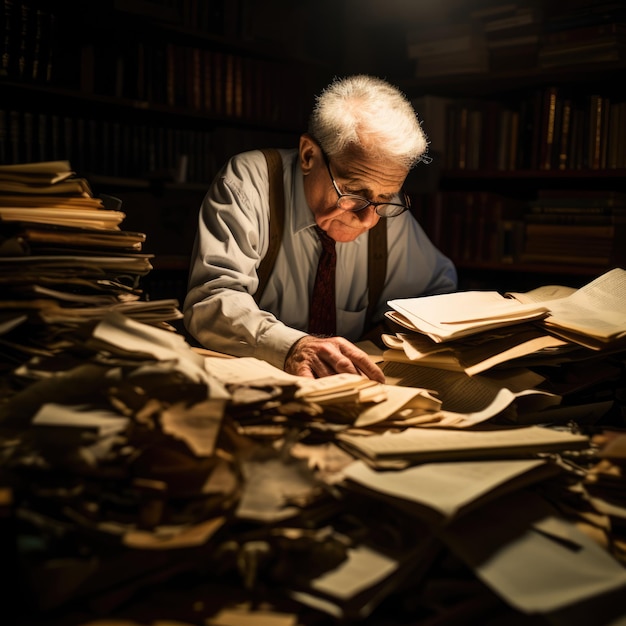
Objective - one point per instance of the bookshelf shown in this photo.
(147, 99)
(528, 113)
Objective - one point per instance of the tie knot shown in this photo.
(327, 242)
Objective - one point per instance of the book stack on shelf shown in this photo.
(585, 228)
(592, 33)
(512, 34)
(500, 37)
(448, 49)
(575, 227)
(65, 261)
(28, 49)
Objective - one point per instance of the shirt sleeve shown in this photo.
(232, 238)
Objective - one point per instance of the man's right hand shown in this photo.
(315, 357)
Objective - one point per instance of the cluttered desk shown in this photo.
(147, 482)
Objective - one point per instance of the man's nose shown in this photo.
(368, 216)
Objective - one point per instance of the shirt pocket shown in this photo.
(350, 323)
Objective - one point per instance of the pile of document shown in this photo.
(64, 260)
(147, 481)
(592, 316)
(574, 339)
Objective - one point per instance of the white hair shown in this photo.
(369, 113)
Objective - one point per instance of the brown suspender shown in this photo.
(377, 243)
(277, 218)
(376, 268)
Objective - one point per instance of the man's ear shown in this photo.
(308, 150)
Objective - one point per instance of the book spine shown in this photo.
(417, 49)
(614, 138)
(170, 75)
(595, 131)
(564, 139)
(552, 231)
(583, 33)
(4, 139)
(550, 108)
(25, 41)
(567, 259)
(462, 137)
(7, 43)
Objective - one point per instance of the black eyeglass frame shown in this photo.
(367, 203)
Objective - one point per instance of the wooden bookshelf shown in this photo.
(148, 98)
(551, 120)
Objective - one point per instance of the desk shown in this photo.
(118, 518)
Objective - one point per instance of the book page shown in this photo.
(118, 330)
(39, 167)
(457, 391)
(536, 561)
(397, 399)
(444, 487)
(363, 568)
(101, 421)
(541, 294)
(434, 444)
(474, 354)
(597, 309)
(461, 307)
(446, 316)
(247, 370)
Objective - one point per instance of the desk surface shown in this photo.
(92, 512)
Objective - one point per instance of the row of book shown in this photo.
(219, 17)
(107, 147)
(28, 48)
(30, 29)
(551, 129)
(205, 79)
(560, 227)
(208, 81)
(149, 151)
(509, 36)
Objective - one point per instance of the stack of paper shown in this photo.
(477, 353)
(242, 469)
(64, 260)
(454, 315)
(346, 398)
(483, 335)
(592, 316)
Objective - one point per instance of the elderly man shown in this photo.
(340, 186)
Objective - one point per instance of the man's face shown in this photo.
(354, 173)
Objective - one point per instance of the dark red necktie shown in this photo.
(322, 319)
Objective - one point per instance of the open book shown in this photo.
(594, 315)
(439, 492)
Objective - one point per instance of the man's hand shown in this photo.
(315, 357)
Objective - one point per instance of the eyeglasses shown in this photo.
(351, 202)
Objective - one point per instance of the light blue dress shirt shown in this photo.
(232, 238)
